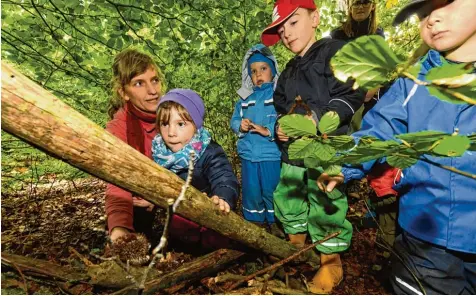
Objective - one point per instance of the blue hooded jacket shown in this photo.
(256, 104)
(436, 205)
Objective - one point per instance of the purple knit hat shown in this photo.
(190, 100)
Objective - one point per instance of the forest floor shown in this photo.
(52, 221)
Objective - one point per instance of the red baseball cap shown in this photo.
(283, 9)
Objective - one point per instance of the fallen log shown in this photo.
(38, 117)
(189, 272)
(44, 269)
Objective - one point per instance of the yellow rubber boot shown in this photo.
(329, 275)
(298, 239)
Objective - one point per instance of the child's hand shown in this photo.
(328, 183)
(118, 232)
(142, 203)
(245, 125)
(221, 204)
(281, 135)
(260, 129)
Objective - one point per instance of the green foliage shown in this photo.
(68, 48)
(296, 125)
(452, 146)
(371, 62)
(329, 122)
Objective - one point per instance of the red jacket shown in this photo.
(382, 178)
(119, 208)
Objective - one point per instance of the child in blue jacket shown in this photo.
(437, 207)
(253, 121)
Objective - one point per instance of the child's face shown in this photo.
(298, 31)
(177, 132)
(450, 27)
(261, 73)
(143, 91)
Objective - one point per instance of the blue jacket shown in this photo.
(214, 175)
(436, 205)
(256, 104)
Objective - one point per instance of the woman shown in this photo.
(136, 89)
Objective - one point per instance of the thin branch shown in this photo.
(284, 261)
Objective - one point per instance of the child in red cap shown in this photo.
(299, 204)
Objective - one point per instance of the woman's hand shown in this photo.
(328, 183)
(281, 135)
(221, 204)
(117, 232)
(142, 203)
(245, 125)
(260, 129)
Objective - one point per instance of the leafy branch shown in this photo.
(328, 151)
(371, 62)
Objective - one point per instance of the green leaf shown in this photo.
(368, 59)
(329, 122)
(312, 163)
(426, 136)
(342, 143)
(401, 162)
(452, 146)
(333, 170)
(448, 71)
(296, 125)
(309, 148)
(301, 148)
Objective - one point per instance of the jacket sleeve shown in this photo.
(220, 175)
(119, 207)
(271, 125)
(387, 119)
(236, 118)
(344, 100)
(279, 96)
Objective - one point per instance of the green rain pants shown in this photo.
(302, 207)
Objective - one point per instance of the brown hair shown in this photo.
(164, 111)
(347, 25)
(128, 64)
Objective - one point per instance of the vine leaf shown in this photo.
(297, 125)
(401, 162)
(329, 122)
(452, 146)
(369, 60)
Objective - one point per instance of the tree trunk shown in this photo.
(35, 115)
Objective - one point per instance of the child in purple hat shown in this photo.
(180, 128)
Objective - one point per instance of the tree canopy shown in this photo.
(68, 46)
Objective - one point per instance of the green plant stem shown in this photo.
(449, 168)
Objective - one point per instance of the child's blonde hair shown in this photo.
(128, 64)
(373, 25)
(164, 111)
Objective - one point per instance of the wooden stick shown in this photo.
(284, 261)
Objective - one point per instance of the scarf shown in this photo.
(135, 133)
(177, 161)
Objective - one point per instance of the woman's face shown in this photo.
(177, 132)
(143, 91)
(361, 9)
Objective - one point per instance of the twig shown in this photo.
(81, 257)
(25, 287)
(187, 181)
(172, 206)
(284, 261)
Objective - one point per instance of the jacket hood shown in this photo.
(246, 88)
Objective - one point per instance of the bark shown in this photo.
(189, 272)
(38, 117)
(42, 268)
